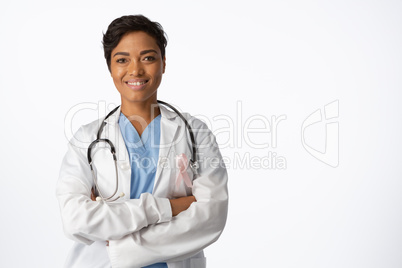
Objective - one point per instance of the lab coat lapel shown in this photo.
(113, 133)
(169, 132)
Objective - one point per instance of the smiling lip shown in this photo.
(136, 84)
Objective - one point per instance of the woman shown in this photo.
(168, 214)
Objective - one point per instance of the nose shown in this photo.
(135, 68)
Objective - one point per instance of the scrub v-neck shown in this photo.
(143, 152)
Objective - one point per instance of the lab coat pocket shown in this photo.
(198, 262)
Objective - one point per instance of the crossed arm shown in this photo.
(178, 205)
(86, 221)
(186, 234)
(142, 231)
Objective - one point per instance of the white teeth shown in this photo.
(136, 83)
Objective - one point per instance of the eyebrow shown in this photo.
(148, 51)
(141, 53)
(121, 53)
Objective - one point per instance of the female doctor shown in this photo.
(128, 191)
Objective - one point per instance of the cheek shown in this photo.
(158, 72)
(115, 70)
(116, 76)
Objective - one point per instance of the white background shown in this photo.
(271, 58)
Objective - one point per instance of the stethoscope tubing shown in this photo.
(193, 161)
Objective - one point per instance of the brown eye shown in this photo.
(149, 58)
(121, 61)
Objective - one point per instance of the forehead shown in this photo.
(136, 41)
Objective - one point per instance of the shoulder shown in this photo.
(86, 134)
(194, 122)
(202, 133)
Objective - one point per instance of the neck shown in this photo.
(140, 113)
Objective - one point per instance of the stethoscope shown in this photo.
(192, 163)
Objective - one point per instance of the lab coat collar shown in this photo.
(114, 118)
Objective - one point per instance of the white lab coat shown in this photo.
(142, 231)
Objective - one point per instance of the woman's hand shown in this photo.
(93, 197)
(181, 204)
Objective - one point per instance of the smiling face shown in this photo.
(137, 67)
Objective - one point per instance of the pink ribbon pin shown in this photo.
(182, 163)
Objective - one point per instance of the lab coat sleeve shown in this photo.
(85, 220)
(190, 231)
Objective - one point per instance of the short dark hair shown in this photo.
(131, 23)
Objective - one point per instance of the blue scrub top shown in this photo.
(144, 153)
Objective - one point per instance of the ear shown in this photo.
(164, 64)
